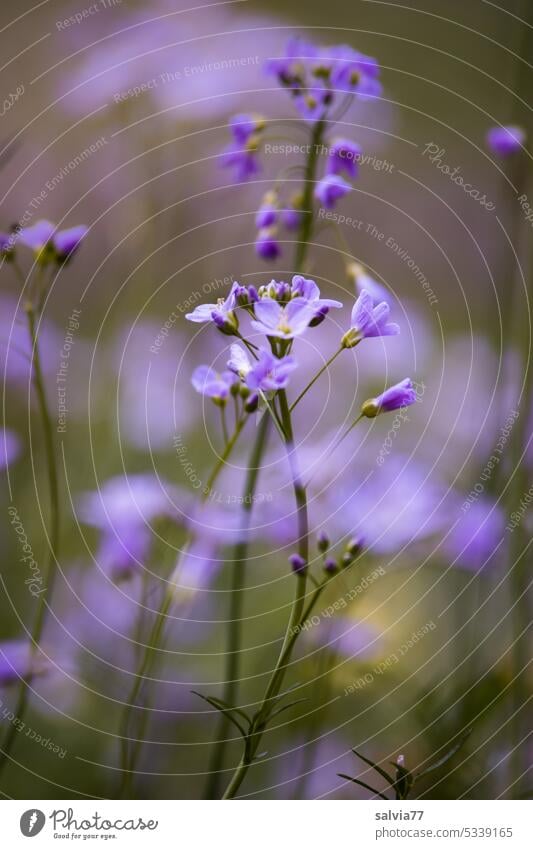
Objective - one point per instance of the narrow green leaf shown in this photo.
(378, 769)
(362, 784)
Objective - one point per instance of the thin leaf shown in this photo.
(226, 711)
(286, 707)
(227, 706)
(453, 751)
(366, 786)
(378, 769)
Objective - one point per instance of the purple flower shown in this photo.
(266, 374)
(7, 245)
(47, 244)
(330, 189)
(363, 280)
(16, 662)
(343, 157)
(291, 69)
(298, 564)
(217, 386)
(354, 72)
(220, 313)
(284, 322)
(122, 551)
(368, 320)
(266, 244)
(504, 141)
(396, 397)
(9, 447)
(313, 103)
(291, 217)
(308, 291)
(269, 373)
(241, 154)
(268, 211)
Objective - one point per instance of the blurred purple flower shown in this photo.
(269, 373)
(330, 189)
(241, 154)
(283, 322)
(394, 398)
(504, 141)
(208, 382)
(476, 538)
(268, 211)
(343, 157)
(126, 500)
(68, 241)
(368, 321)
(363, 280)
(122, 552)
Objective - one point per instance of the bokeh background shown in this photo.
(169, 227)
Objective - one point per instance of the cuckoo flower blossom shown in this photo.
(308, 291)
(242, 152)
(266, 244)
(363, 280)
(396, 397)
(49, 244)
(368, 320)
(222, 313)
(330, 189)
(217, 386)
(504, 141)
(283, 322)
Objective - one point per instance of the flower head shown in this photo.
(284, 322)
(330, 189)
(66, 242)
(363, 280)
(368, 320)
(299, 565)
(221, 314)
(504, 141)
(269, 373)
(400, 395)
(213, 384)
(308, 291)
(343, 157)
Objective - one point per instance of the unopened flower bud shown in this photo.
(323, 542)
(252, 402)
(354, 546)
(330, 565)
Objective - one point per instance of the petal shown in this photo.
(202, 313)
(239, 361)
(268, 312)
(37, 236)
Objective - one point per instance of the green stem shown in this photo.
(240, 554)
(53, 539)
(315, 378)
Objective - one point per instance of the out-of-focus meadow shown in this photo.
(118, 120)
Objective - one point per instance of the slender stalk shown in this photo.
(307, 223)
(240, 554)
(315, 378)
(296, 616)
(53, 539)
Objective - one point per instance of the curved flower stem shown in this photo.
(312, 382)
(240, 554)
(297, 615)
(53, 537)
(129, 759)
